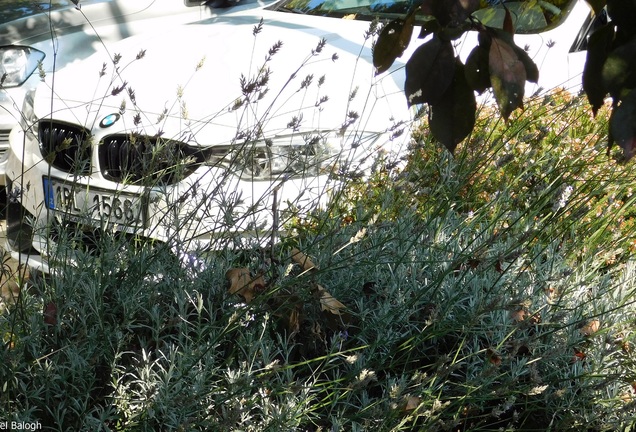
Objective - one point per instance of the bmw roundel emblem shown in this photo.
(109, 120)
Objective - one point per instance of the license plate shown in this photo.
(119, 208)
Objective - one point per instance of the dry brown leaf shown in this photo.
(11, 282)
(518, 315)
(9, 292)
(493, 357)
(50, 314)
(303, 260)
(578, 356)
(590, 328)
(328, 302)
(412, 402)
(626, 347)
(243, 284)
(293, 324)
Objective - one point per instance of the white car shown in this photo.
(207, 133)
(57, 34)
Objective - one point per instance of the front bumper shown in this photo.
(210, 209)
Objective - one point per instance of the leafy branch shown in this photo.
(437, 77)
(610, 68)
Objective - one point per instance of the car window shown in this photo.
(529, 16)
(363, 9)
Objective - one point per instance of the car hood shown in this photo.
(229, 78)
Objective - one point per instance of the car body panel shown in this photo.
(210, 92)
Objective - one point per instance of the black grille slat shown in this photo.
(4, 138)
(146, 159)
(65, 146)
(4, 143)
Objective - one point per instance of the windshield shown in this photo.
(13, 9)
(529, 16)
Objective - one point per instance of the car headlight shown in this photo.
(17, 63)
(297, 155)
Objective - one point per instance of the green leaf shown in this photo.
(597, 5)
(623, 124)
(476, 69)
(454, 32)
(598, 48)
(532, 71)
(392, 41)
(527, 17)
(452, 118)
(619, 69)
(429, 27)
(508, 26)
(507, 75)
(623, 15)
(449, 12)
(429, 72)
(610, 137)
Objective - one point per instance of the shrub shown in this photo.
(492, 289)
(488, 291)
